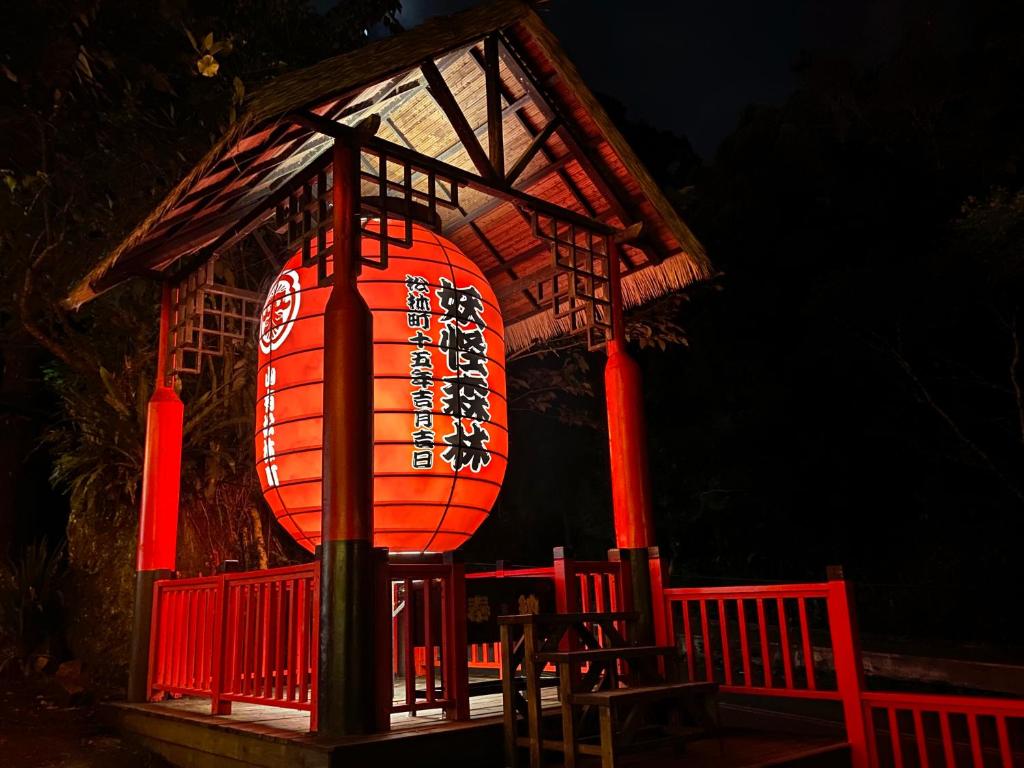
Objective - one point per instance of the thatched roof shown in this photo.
(583, 165)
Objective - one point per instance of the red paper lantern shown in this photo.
(440, 414)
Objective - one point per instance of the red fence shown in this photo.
(421, 639)
(252, 637)
(906, 729)
(755, 639)
(248, 637)
(799, 640)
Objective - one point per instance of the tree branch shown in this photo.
(925, 396)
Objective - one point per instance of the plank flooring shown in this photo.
(185, 733)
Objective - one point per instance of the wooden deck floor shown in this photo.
(294, 724)
(184, 733)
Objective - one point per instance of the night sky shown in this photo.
(692, 67)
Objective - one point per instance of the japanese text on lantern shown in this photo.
(269, 450)
(466, 395)
(421, 371)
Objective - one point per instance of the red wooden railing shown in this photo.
(488, 655)
(753, 639)
(445, 674)
(182, 647)
(778, 640)
(907, 729)
(247, 637)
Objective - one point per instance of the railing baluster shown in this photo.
(248, 641)
(709, 671)
(410, 654)
(805, 636)
(428, 638)
(268, 638)
(302, 641)
(762, 628)
(234, 617)
(947, 740)
(872, 739)
(1004, 742)
(744, 643)
(688, 638)
(723, 631)
(787, 662)
(922, 741)
(894, 737)
(179, 640)
(972, 731)
(293, 627)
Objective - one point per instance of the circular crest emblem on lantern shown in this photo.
(279, 311)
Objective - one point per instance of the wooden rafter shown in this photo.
(536, 143)
(495, 115)
(520, 116)
(622, 207)
(495, 202)
(446, 101)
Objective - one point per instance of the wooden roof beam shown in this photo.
(438, 88)
(520, 117)
(495, 202)
(536, 143)
(602, 179)
(495, 114)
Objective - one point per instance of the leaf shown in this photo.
(239, 88)
(192, 39)
(208, 41)
(207, 66)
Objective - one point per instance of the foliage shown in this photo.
(103, 106)
(31, 606)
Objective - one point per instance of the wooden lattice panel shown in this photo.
(580, 286)
(208, 317)
(305, 216)
(392, 188)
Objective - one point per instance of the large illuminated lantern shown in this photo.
(440, 412)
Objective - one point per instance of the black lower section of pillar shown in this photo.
(138, 661)
(346, 698)
(636, 562)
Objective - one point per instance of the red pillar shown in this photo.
(158, 515)
(627, 449)
(627, 434)
(346, 699)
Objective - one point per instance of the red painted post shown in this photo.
(662, 634)
(627, 449)
(627, 435)
(385, 639)
(842, 625)
(346, 700)
(455, 638)
(566, 591)
(158, 514)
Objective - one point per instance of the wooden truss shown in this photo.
(400, 184)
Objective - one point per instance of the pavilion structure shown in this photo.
(480, 121)
(478, 127)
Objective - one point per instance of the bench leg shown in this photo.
(565, 689)
(608, 737)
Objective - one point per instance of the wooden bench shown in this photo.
(616, 737)
(543, 634)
